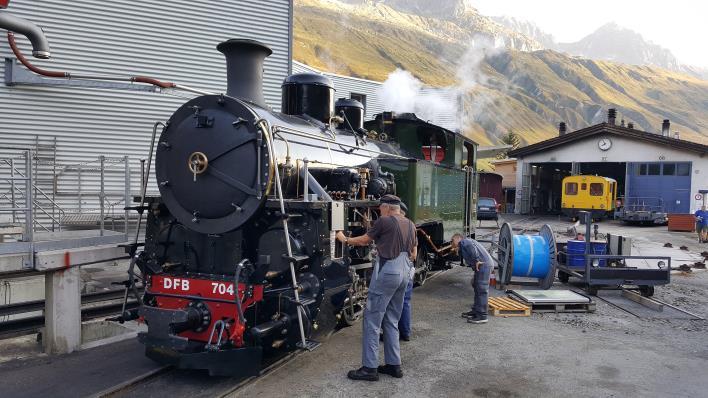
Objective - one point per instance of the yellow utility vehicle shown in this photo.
(588, 193)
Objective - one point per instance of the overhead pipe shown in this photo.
(40, 45)
(68, 75)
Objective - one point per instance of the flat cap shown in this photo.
(390, 200)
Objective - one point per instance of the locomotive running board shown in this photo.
(309, 345)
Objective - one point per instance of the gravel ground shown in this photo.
(605, 354)
(608, 353)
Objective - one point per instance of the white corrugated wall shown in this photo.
(345, 86)
(172, 40)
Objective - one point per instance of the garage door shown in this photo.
(669, 182)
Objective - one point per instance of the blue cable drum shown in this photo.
(528, 256)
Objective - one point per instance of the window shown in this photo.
(596, 189)
(488, 202)
(654, 169)
(359, 97)
(584, 187)
(669, 169)
(571, 188)
(643, 169)
(683, 169)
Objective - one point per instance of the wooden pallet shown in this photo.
(505, 306)
(575, 307)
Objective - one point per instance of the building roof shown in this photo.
(606, 128)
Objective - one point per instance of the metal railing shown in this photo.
(16, 192)
(82, 177)
(648, 204)
(28, 201)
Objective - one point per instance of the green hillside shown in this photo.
(524, 92)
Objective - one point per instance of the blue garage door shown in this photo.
(668, 181)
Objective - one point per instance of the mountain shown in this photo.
(529, 29)
(614, 43)
(506, 89)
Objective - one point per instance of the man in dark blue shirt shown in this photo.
(702, 224)
(477, 257)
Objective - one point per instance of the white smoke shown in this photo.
(402, 92)
(465, 102)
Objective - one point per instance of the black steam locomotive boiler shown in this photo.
(239, 256)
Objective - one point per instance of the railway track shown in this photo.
(628, 296)
(230, 386)
(94, 305)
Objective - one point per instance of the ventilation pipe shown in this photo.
(665, 127)
(562, 129)
(677, 135)
(40, 45)
(244, 68)
(611, 116)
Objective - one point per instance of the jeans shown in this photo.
(384, 305)
(404, 325)
(480, 284)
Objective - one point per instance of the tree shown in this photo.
(510, 138)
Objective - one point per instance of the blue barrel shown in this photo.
(599, 247)
(576, 252)
(531, 256)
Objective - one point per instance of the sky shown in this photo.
(679, 25)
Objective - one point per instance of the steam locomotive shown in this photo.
(239, 257)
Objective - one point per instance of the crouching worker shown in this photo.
(477, 257)
(396, 242)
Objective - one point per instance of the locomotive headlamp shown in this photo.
(661, 264)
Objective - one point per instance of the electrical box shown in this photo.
(338, 216)
(619, 245)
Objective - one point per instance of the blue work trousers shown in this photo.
(480, 284)
(384, 305)
(404, 325)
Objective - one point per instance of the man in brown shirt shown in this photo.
(396, 243)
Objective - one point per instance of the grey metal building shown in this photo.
(68, 127)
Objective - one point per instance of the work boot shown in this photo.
(364, 373)
(468, 314)
(404, 337)
(477, 319)
(391, 370)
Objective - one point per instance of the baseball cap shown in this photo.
(390, 200)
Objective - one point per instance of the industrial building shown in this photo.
(69, 124)
(657, 169)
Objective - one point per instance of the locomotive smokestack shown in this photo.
(665, 127)
(40, 45)
(611, 116)
(244, 68)
(562, 129)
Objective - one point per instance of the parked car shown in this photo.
(487, 209)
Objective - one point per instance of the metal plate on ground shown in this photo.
(550, 296)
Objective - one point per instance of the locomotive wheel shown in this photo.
(646, 290)
(422, 266)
